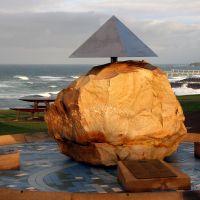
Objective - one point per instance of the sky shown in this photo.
(48, 31)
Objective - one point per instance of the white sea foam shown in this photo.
(44, 94)
(48, 94)
(30, 83)
(184, 90)
(24, 78)
(56, 78)
(56, 92)
(195, 76)
(53, 86)
(69, 79)
(3, 85)
(52, 78)
(176, 78)
(75, 77)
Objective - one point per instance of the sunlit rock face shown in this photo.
(118, 111)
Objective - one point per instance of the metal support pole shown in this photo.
(113, 59)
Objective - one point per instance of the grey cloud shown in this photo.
(14, 6)
(52, 37)
(145, 9)
(45, 29)
(173, 42)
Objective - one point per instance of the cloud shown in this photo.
(39, 36)
(142, 9)
(45, 29)
(16, 6)
(30, 33)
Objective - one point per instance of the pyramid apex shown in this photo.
(113, 17)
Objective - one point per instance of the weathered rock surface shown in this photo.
(124, 110)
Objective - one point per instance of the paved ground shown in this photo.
(44, 168)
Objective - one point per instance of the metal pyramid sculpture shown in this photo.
(113, 39)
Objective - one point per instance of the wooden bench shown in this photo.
(40, 106)
(29, 110)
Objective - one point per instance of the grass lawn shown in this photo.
(8, 125)
(190, 103)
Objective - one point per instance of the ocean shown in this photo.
(17, 81)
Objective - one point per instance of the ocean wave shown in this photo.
(75, 77)
(190, 79)
(184, 90)
(195, 76)
(11, 96)
(24, 78)
(69, 79)
(52, 78)
(53, 86)
(57, 78)
(30, 83)
(3, 85)
(48, 94)
(176, 78)
(191, 82)
(56, 92)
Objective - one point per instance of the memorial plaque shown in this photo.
(151, 175)
(147, 169)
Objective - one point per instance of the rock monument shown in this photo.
(117, 111)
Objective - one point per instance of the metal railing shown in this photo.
(182, 72)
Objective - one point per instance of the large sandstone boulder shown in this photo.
(124, 110)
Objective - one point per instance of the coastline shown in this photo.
(17, 81)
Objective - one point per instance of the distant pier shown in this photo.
(182, 72)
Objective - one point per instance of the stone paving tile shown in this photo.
(79, 178)
(44, 168)
(117, 189)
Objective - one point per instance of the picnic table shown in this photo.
(38, 105)
(36, 101)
